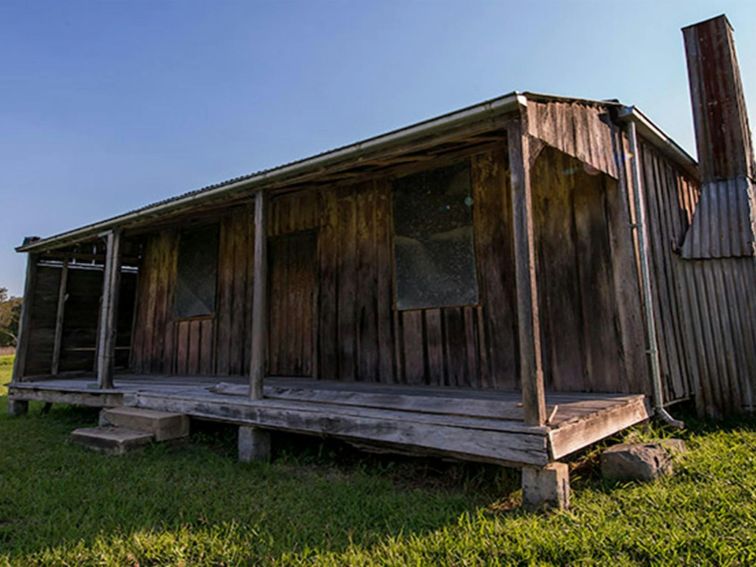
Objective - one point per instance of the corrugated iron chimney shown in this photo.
(723, 225)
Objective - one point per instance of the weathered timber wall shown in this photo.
(43, 308)
(293, 292)
(361, 336)
(79, 330)
(220, 343)
(705, 311)
(80, 320)
(583, 131)
(585, 269)
(331, 283)
(163, 344)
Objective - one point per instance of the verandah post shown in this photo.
(59, 316)
(22, 343)
(20, 407)
(254, 443)
(111, 281)
(259, 299)
(528, 324)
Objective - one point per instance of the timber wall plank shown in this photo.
(583, 346)
(79, 325)
(705, 315)
(354, 332)
(583, 131)
(79, 336)
(44, 305)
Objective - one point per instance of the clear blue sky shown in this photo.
(105, 106)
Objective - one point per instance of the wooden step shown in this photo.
(110, 440)
(162, 425)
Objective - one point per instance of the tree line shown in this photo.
(10, 313)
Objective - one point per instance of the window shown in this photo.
(196, 272)
(433, 239)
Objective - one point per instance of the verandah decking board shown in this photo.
(411, 430)
(465, 424)
(503, 405)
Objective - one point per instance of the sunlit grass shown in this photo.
(6, 368)
(323, 503)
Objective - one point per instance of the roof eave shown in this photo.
(493, 107)
(356, 151)
(656, 136)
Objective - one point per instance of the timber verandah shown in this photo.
(472, 425)
(558, 310)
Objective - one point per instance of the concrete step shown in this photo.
(163, 425)
(110, 440)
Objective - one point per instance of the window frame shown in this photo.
(181, 232)
(467, 161)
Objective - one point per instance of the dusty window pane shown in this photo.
(197, 271)
(433, 239)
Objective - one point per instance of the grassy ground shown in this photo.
(323, 503)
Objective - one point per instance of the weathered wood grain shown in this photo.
(107, 329)
(514, 448)
(579, 129)
(293, 289)
(259, 331)
(24, 324)
(558, 263)
(531, 370)
(99, 399)
(494, 249)
(473, 425)
(327, 309)
(626, 276)
(581, 432)
(80, 324)
(58, 341)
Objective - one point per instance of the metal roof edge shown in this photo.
(562, 98)
(656, 135)
(495, 106)
(499, 105)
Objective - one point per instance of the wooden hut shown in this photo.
(508, 283)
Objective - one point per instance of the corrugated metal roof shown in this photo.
(352, 152)
(723, 226)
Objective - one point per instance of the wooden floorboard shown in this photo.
(74, 397)
(482, 425)
(585, 430)
(411, 431)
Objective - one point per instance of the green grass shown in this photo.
(6, 367)
(324, 503)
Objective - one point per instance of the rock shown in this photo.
(674, 446)
(636, 461)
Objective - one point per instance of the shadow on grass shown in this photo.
(59, 501)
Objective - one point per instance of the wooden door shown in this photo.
(292, 292)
